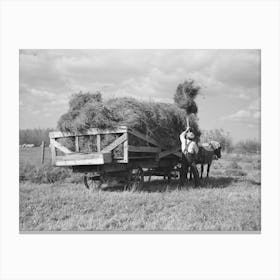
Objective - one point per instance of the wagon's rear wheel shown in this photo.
(93, 181)
(136, 179)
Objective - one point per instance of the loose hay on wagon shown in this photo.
(113, 156)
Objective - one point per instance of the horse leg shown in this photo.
(202, 169)
(208, 169)
(188, 175)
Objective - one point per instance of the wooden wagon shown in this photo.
(120, 155)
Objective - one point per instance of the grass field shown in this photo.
(228, 201)
(34, 156)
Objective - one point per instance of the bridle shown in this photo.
(211, 145)
(214, 148)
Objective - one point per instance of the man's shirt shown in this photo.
(187, 145)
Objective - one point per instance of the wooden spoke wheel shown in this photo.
(136, 179)
(93, 181)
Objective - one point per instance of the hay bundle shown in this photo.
(185, 99)
(163, 122)
(185, 96)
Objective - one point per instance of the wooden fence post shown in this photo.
(98, 142)
(53, 152)
(43, 151)
(77, 149)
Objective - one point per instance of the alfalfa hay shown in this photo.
(161, 121)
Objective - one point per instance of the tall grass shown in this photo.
(73, 208)
(227, 201)
(42, 174)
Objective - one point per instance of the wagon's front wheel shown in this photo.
(92, 181)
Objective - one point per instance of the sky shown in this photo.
(229, 80)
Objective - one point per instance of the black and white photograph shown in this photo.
(140, 140)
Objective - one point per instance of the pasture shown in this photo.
(33, 156)
(230, 200)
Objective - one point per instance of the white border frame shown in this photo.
(156, 24)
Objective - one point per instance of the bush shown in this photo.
(26, 171)
(75, 178)
(234, 169)
(235, 172)
(248, 146)
(43, 174)
(234, 165)
(257, 165)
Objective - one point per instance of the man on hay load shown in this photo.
(189, 153)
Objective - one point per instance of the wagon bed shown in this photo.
(128, 152)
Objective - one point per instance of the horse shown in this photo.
(206, 153)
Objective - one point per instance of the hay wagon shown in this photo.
(120, 155)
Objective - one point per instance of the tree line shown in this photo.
(34, 136)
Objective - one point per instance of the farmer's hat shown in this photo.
(190, 135)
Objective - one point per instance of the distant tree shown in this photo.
(219, 135)
(34, 136)
(248, 146)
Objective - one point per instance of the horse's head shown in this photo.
(217, 148)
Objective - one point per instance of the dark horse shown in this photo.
(207, 152)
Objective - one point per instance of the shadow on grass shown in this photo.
(217, 182)
(164, 185)
(253, 182)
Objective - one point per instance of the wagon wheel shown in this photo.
(93, 181)
(136, 179)
(168, 177)
(175, 174)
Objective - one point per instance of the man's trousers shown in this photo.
(188, 160)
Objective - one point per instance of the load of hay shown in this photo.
(163, 122)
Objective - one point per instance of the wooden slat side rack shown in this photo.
(130, 154)
(104, 155)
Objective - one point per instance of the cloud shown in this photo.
(229, 80)
(239, 115)
(250, 114)
(58, 71)
(255, 104)
(43, 93)
(244, 116)
(238, 69)
(257, 115)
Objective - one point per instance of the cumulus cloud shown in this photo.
(49, 77)
(257, 115)
(250, 114)
(239, 115)
(255, 104)
(63, 71)
(238, 68)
